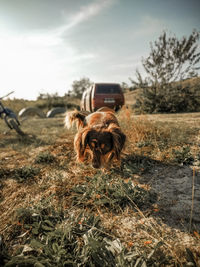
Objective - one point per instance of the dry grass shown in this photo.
(43, 104)
(158, 135)
(145, 233)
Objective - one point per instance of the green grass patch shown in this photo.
(25, 173)
(110, 191)
(21, 174)
(45, 158)
(183, 156)
(71, 239)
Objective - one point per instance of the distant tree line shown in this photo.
(79, 86)
(49, 101)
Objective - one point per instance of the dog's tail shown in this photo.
(75, 116)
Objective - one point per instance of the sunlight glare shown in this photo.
(31, 62)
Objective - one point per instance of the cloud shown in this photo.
(85, 13)
(150, 25)
(39, 59)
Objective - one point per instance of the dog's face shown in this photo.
(99, 145)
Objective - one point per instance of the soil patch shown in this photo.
(178, 188)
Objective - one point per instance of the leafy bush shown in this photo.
(179, 97)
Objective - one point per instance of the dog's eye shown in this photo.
(102, 146)
(105, 148)
(93, 144)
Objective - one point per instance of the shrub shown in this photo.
(171, 98)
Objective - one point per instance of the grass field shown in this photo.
(56, 212)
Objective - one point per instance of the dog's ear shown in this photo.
(80, 143)
(73, 116)
(119, 139)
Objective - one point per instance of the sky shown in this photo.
(45, 45)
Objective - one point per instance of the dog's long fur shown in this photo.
(99, 137)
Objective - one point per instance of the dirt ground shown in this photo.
(177, 186)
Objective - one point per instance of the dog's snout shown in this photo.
(96, 165)
(96, 161)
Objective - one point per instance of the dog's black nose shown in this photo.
(96, 165)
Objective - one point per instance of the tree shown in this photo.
(170, 60)
(79, 86)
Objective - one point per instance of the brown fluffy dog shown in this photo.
(99, 137)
